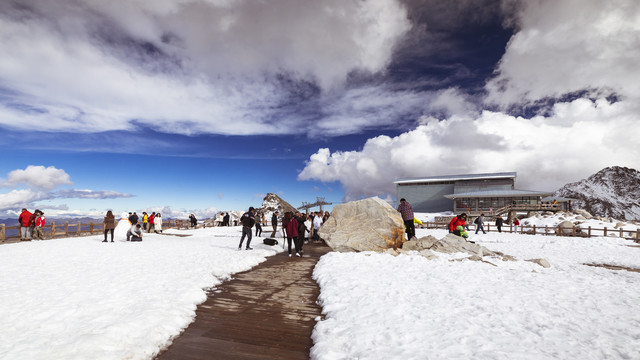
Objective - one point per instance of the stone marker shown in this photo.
(363, 225)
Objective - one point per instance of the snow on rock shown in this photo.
(611, 192)
(272, 203)
(363, 225)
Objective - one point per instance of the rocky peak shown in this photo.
(273, 202)
(611, 192)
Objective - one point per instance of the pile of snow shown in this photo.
(79, 298)
(379, 306)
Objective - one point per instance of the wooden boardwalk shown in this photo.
(266, 313)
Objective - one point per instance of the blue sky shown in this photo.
(204, 106)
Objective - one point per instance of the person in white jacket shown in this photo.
(317, 224)
(157, 223)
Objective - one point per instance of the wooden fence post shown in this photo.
(589, 231)
(1, 232)
(546, 229)
(79, 229)
(534, 229)
(605, 231)
(66, 228)
(53, 229)
(91, 228)
(573, 231)
(621, 235)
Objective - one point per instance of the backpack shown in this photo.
(270, 241)
(476, 221)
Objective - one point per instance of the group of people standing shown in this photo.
(31, 225)
(294, 226)
(150, 223)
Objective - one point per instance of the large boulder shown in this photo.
(565, 228)
(363, 225)
(449, 244)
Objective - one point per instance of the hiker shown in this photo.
(459, 220)
(290, 226)
(133, 219)
(479, 221)
(499, 222)
(39, 226)
(134, 233)
(225, 220)
(259, 226)
(308, 225)
(193, 220)
(157, 223)
(248, 220)
(406, 210)
(274, 223)
(25, 226)
(109, 224)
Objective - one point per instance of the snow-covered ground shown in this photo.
(378, 306)
(79, 298)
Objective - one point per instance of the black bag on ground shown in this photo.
(270, 241)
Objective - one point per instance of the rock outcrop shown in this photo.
(363, 225)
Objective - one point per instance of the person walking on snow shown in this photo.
(406, 210)
(157, 223)
(109, 225)
(247, 220)
(480, 224)
(499, 222)
(258, 226)
(274, 223)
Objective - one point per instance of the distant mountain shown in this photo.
(273, 202)
(611, 192)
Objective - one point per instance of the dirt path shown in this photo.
(265, 313)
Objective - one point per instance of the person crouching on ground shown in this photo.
(135, 233)
(290, 226)
(459, 220)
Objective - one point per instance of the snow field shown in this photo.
(378, 306)
(79, 298)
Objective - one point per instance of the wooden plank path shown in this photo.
(267, 312)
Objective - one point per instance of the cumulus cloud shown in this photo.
(37, 183)
(38, 177)
(195, 66)
(578, 139)
(563, 47)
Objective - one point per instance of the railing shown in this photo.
(53, 230)
(546, 230)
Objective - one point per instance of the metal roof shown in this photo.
(497, 193)
(487, 176)
(557, 198)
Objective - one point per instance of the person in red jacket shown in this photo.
(459, 220)
(25, 224)
(38, 230)
(290, 226)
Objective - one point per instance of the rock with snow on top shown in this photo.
(542, 262)
(363, 225)
(565, 228)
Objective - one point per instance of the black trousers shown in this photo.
(295, 244)
(105, 234)
(246, 231)
(258, 229)
(411, 229)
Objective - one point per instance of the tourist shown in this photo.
(317, 224)
(109, 224)
(145, 221)
(325, 217)
(459, 220)
(193, 220)
(39, 225)
(406, 210)
(225, 220)
(258, 225)
(480, 224)
(499, 222)
(133, 219)
(152, 218)
(516, 223)
(301, 230)
(274, 223)
(25, 226)
(247, 220)
(290, 226)
(134, 233)
(157, 223)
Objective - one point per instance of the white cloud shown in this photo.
(187, 67)
(39, 177)
(568, 46)
(580, 138)
(17, 199)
